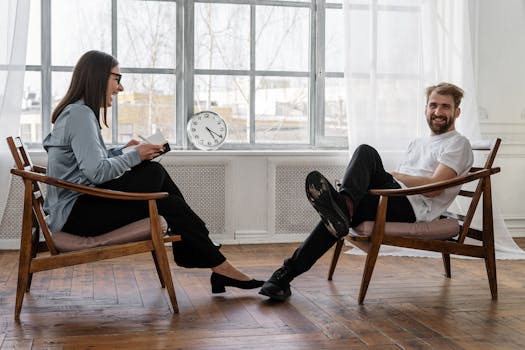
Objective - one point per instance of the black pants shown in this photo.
(92, 216)
(365, 171)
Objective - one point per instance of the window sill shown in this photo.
(241, 153)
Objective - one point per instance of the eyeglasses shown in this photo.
(119, 76)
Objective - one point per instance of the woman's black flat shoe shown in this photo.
(218, 282)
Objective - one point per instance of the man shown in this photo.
(442, 155)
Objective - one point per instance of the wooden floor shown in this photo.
(410, 305)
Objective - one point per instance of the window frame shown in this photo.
(185, 72)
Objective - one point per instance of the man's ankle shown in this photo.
(282, 276)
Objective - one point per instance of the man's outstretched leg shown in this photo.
(336, 211)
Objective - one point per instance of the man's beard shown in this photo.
(442, 128)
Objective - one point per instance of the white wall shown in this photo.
(501, 95)
(501, 59)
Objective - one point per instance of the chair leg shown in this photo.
(23, 278)
(34, 251)
(164, 268)
(26, 249)
(490, 264)
(488, 240)
(446, 264)
(371, 259)
(335, 258)
(160, 254)
(159, 273)
(23, 275)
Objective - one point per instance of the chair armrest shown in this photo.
(437, 186)
(94, 191)
(39, 169)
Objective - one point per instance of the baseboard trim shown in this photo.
(515, 233)
(9, 244)
(260, 237)
(515, 225)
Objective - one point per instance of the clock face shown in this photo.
(207, 130)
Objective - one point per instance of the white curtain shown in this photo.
(394, 49)
(14, 19)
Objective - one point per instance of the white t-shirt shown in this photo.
(423, 157)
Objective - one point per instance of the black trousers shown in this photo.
(92, 216)
(365, 171)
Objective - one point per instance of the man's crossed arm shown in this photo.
(441, 173)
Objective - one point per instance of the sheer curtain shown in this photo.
(14, 19)
(394, 49)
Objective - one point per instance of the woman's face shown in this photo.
(114, 86)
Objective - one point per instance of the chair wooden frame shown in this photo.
(33, 223)
(454, 245)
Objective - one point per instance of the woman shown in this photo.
(77, 153)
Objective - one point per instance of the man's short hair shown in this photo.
(447, 89)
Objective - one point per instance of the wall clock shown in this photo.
(207, 130)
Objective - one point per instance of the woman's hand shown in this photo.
(131, 143)
(147, 151)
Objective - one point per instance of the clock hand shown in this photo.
(213, 132)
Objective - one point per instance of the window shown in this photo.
(272, 68)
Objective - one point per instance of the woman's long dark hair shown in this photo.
(89, 83)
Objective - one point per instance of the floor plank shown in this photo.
(409, 305)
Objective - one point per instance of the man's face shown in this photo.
(441, 113)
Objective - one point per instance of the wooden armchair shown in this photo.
(445, 235)
(66, 249)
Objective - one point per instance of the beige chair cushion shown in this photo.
(437, 229)
(134, 232)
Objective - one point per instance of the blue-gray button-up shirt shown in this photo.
(77, 153)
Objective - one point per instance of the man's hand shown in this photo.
(441, 173)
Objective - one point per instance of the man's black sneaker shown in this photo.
(277, 287)
(330, 205)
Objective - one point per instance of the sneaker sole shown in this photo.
(319, 193)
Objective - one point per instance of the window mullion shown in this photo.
(45, 52)
(189, 65)
(179, 75)
(252, 74)
(114, 52)
(317, 73)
